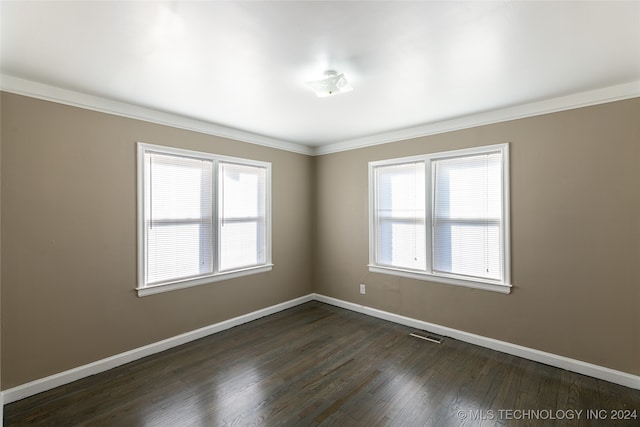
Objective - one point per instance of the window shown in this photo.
(201, 218)
(442, 217)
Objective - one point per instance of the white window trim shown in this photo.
(503, 286)
(144, 289)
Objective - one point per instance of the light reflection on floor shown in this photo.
(214, 403)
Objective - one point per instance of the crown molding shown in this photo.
(90, 102)
(63, 96)
(568, 102)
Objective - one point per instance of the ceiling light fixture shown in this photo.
(332, 84)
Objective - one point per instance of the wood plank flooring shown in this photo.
(319, 365)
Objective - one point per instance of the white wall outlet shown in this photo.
(363, 288)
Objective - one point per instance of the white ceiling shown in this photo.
(243, 65)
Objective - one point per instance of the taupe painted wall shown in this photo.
(1, 399)
(575, 212)
(69, 239)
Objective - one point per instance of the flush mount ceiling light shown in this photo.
(332, 83)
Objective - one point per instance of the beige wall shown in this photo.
(1, 399)
(69, 239)
(575, 213)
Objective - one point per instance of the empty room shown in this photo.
(314, 213)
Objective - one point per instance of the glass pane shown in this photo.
(178, 251)
(467, 249)
(401, 245)
(467, 218)
(178, 187)
(240, 245)
(242, 218)
(178, 221)
(400, 215)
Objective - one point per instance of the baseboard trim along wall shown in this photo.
(56, 380)
(66, 377)
(578, 366)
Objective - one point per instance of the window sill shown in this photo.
(475, 284)
(182, 284)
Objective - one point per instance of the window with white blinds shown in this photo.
(202, 218)
(443, 217)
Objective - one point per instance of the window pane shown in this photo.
(238, 245)
(175, 252)
(400, 215)
(468, 215)
(178, 219)
(242, 216)
(178, 187)
(466, 249)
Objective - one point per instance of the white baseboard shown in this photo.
(600, 372)
(56, 380)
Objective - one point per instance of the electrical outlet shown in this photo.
(363, 288)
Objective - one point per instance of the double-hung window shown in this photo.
(442, 217)
(201, 218)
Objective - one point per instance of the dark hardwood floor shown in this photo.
(316, 364)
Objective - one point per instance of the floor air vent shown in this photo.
(427, 336)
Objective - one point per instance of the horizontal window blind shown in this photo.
(467, 215)
(178, 217)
